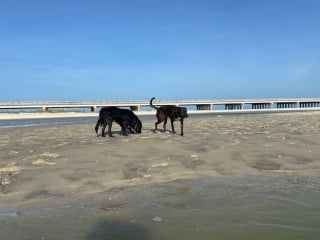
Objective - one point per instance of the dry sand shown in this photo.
(52, 163)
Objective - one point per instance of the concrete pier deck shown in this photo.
(199, 105)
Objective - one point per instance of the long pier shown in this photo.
(194, 105)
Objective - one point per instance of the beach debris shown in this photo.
(6, 174)
(10, 167)
(157, 219)
(147, 175)
(112, 207)
(192, 162)
(41, 162)
(236, 141)
(4, 181)
(194, 157)
(165, 164)
(49, 155)
(13, 153)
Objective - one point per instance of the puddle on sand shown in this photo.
(246, 208)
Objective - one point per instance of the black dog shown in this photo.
(173, 112)
(124, 117)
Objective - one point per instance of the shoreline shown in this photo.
(46, 115)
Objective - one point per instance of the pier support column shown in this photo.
(135, 108)
(93, 109)
(261, 105)
(309, 104)
(233, 106)
(204, 107)
(288, 105)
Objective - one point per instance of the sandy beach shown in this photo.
(59, 166)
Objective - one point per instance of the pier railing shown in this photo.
(197, 105)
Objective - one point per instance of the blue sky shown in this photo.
(170, 49)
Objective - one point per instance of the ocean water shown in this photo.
(264, 207)
(51, 121)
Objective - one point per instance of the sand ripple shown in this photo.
(70, 158)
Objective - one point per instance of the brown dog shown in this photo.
(173, 112)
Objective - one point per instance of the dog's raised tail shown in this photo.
(151, 105)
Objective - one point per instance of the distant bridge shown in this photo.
(196, 105)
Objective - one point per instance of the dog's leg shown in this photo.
(165, 124)
(156, 124)
(109, 128)
(172, 126)
(181, 126)
(124, 129)
(104, 125)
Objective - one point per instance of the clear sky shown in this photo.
(170, 49)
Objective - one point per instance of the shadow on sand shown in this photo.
(105, 230)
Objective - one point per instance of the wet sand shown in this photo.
(59, 166)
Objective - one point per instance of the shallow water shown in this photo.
(50, 121)
(270, 207)
(53, 121)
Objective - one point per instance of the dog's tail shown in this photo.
(151, 105)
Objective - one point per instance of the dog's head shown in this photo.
(136, 126)
(183, 112)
